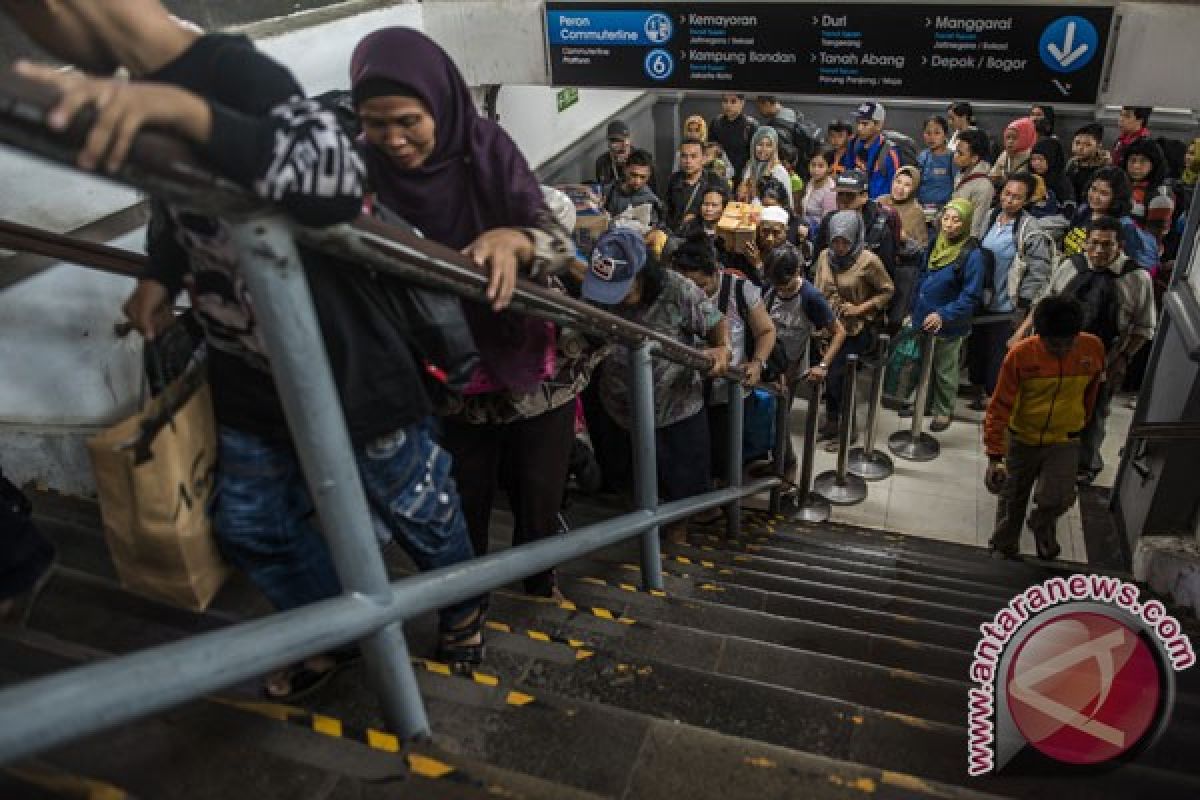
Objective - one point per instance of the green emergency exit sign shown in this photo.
(567, 98)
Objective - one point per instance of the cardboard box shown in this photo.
(738, 225)
(588, 228)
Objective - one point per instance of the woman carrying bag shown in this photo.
(949, 290)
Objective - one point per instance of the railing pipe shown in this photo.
(783, 416)
(737, 410)
(49, 711)
(645, 458)
(274, 274)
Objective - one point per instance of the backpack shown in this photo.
(777, 362)
(906, 149)
(1019, 267)
(1096, 291)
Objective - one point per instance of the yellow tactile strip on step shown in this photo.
(64, 784)
(580, 647)
(419, 764)
(511, 697)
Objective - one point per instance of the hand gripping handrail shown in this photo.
(48, 711)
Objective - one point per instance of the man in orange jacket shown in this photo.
(1043, 399)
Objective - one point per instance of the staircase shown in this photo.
(796, 662)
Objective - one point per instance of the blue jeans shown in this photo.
(263, 516)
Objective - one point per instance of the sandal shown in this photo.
(463, 648)
(305, 678)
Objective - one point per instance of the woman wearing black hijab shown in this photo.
(460, 179)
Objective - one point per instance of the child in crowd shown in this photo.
(820, 196)
(714, 160)
(1087, 156)
(1019, 138)
(936, 162)
(1153, 199)
(788, 156)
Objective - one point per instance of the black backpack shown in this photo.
(777, 361)
(1096, 291)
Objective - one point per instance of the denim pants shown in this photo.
(263, 515)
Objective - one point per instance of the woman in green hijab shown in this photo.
(949, 290)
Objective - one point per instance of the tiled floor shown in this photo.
(945, 498)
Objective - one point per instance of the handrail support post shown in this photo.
(271, 265)
(645, 457)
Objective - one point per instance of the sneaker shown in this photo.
(940, 423)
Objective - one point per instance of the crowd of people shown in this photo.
(956, 244)
(855, 232)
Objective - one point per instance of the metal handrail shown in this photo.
(51, 710)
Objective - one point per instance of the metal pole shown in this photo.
(914, 444)
(838, 486)
(645, 458)
(275, 276)
(733, 511)
(805, 505)
(866, 462)
(783, 416)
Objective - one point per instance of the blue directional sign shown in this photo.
(1069, 44)
(1010, 51)
(592, 28)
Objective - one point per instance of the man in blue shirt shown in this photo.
(871, 151)
(1015, 239)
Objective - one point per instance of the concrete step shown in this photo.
(639, 757)
(838, 612)
(574, 705)
(228, 747)
(848, 589)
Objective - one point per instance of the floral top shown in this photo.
(685, 313)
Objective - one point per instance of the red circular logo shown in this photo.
(1083, 688)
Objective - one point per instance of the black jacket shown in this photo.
(734, 138)
(263, 135)
(682, 199)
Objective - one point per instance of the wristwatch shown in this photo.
(823, 365)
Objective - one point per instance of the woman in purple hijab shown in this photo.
(460, 179)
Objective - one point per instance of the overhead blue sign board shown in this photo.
(1002, 52)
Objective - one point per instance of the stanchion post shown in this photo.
(805, 505)
(914, 444)
(838, 486)
(783, 409)
(645, 458)
(274, 274)
(866, 462)
(737, 409)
